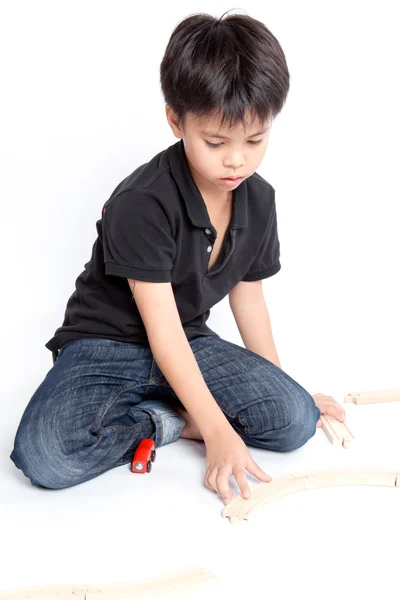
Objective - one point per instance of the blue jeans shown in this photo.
(102, 397)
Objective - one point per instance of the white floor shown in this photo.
(121, 527)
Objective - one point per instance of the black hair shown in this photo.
(226, 67)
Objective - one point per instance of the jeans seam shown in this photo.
(107, 405)
(159, 433)
(123, 427)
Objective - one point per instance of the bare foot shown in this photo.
(190, 431)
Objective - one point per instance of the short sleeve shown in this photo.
(137, 240)
(267, 261)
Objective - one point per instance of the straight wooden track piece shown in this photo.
(373, 396)
(175, 582)
(239, 509)
(337, 432)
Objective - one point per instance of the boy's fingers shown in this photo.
(210, 487)
(210, 480)
(222, 482)
(255, 470)
(243, 484)
(338, 412)
(332, 408)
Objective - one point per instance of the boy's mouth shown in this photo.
(231, 180)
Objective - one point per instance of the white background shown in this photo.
(81, 108)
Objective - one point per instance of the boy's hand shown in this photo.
(329, 406)
(227, 455)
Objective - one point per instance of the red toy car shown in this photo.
(145, 455)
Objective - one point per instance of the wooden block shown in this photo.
(373, 397)
(337, 432)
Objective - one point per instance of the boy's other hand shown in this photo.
(329, 406)
(228, 455)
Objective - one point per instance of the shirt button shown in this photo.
(208, 231)
(209, 248)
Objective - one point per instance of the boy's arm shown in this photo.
(174, 356)
(250, 311)
(227, 454)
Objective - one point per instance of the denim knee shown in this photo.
(19, 456)
(45, 465)
(281, 424)
(42, 461)
(25, 458)
(58, 460)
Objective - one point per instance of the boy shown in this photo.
(134, 357)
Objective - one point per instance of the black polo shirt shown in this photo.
(155, 227)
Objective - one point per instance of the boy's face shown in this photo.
(238, 153)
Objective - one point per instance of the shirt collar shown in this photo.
(196, 207)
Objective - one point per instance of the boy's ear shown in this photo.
(173, 122)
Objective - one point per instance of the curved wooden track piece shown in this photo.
(373, 396)
(176, 582)
(240, 509)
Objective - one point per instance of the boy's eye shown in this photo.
(218, 145)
